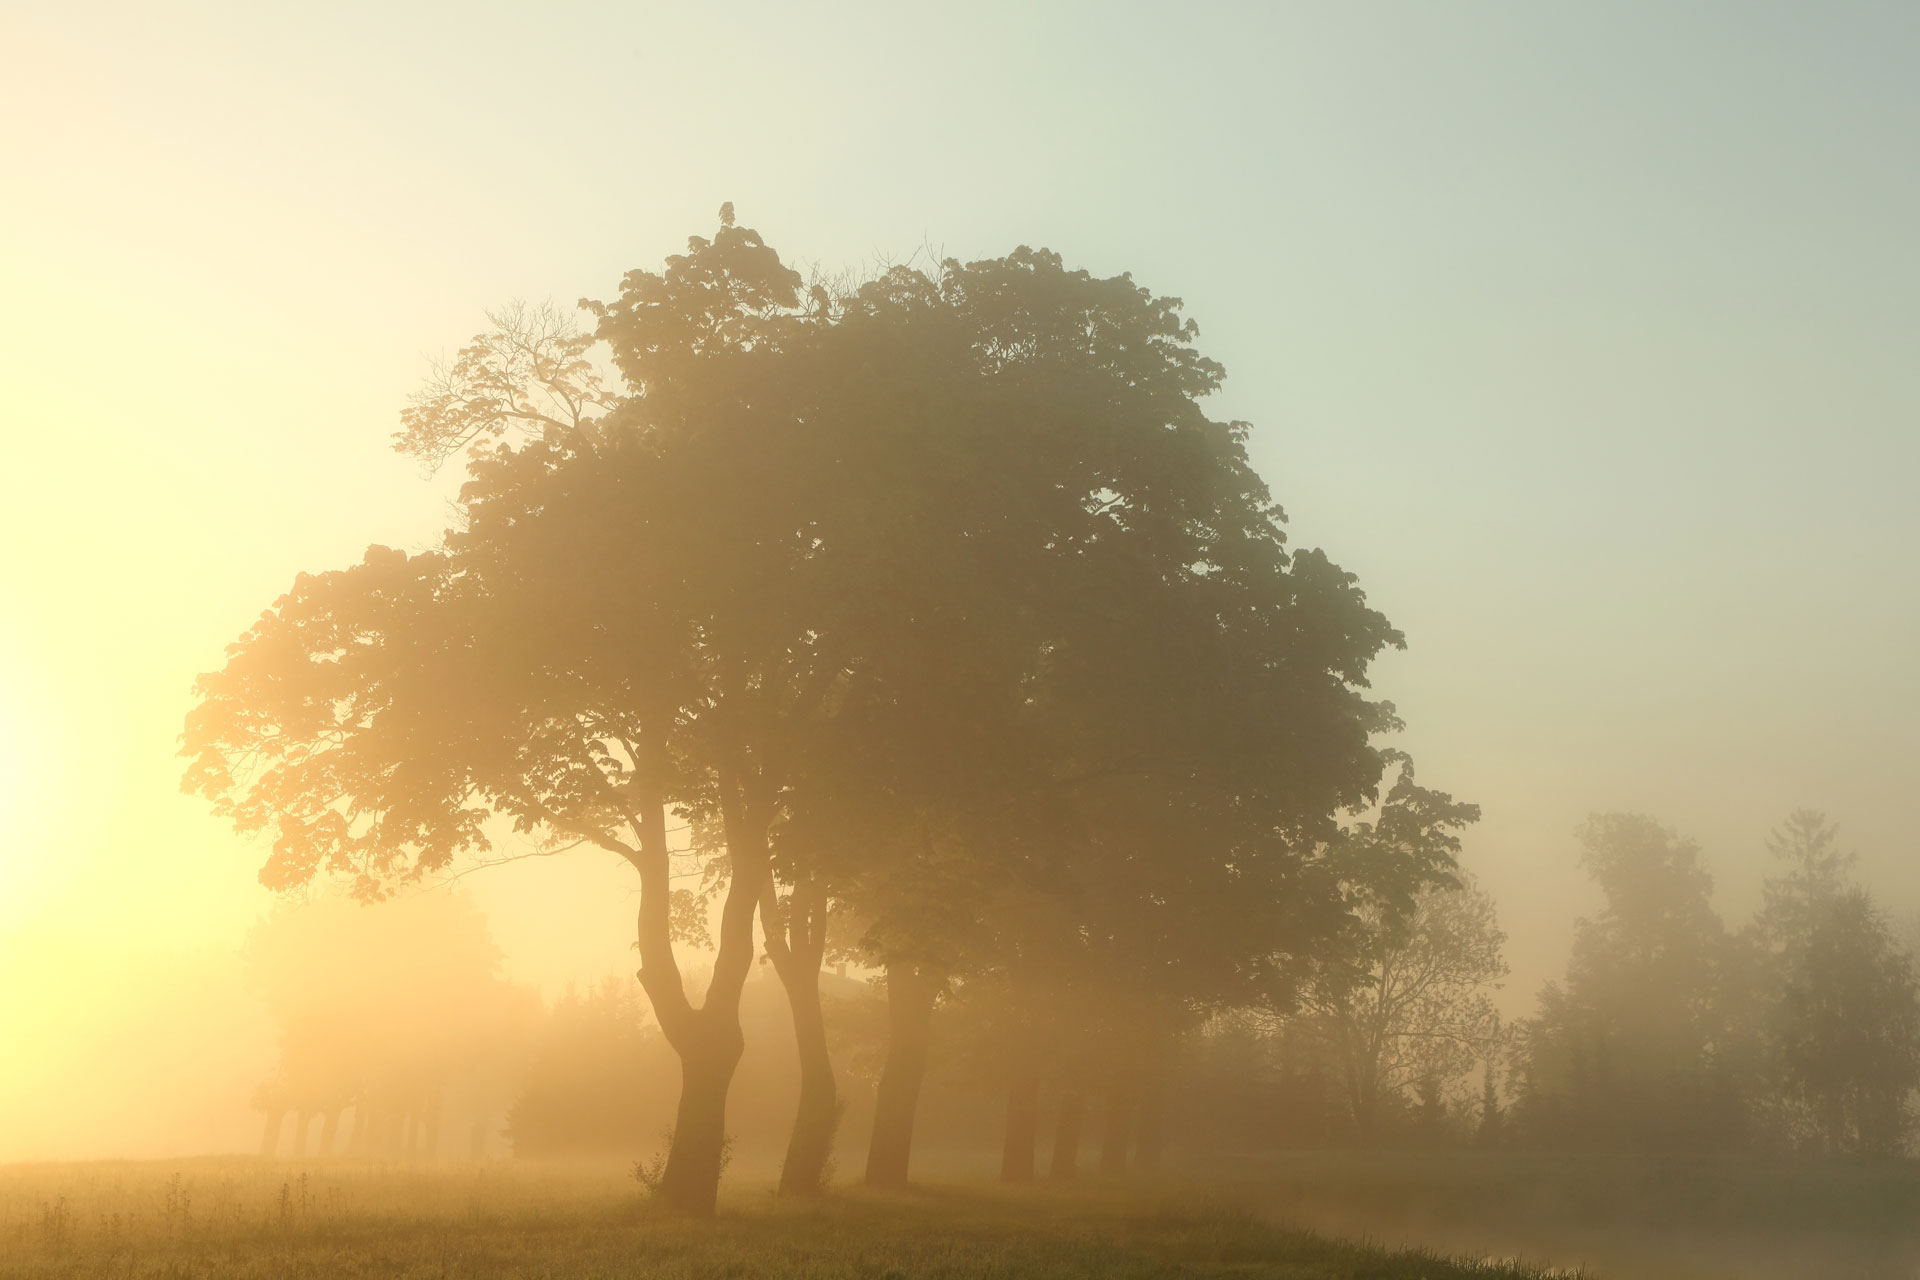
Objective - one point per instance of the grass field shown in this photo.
(1294, 1216)
(248, 1218)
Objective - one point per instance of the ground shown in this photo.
(249, 1218)
(1293, 1216)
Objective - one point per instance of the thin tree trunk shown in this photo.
(1066, 1134)
(1023, 1121)
(804, 1172)
(270, 1137)
(357, 1140)
(1150, 1132)
(430, 1144)
(909, 1026)
(327, 1132)
(1117, 1136)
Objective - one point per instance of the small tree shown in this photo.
(1410, 1009)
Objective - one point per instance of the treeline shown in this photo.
(397, 1036)
(967, 646)
(1798, 1031)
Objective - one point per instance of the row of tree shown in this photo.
(964, 642)
(1798, 1031)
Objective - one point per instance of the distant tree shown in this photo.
(354, 1040)
(1410, 1011)
(1842, 1006)
(1849, 1027)
(593, 1078)
(1633, 1049)
(1489, 1132)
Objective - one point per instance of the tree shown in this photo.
(609, 632)
(1410, 1010)
(917, 599)
(1849, 1027)
(1634, 1049)
(1057, 579)
(352, 1040)
(1842, 1006)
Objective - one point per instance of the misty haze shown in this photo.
(1062, 641)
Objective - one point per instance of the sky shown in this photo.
(1585, 335)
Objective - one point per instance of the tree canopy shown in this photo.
(934, 601)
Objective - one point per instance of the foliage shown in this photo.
(1633, 1049)
(1833, 997)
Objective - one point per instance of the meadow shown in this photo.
(236, 1217)
(1303, 1216)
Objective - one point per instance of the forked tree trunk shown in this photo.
(707, 1039)
(1117, 1136)
(804, 1173)
(1066, 1134)
(1023, 1121)
(909, 1027)
(796, 933)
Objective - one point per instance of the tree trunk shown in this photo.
(1066, 1134)
(796, 936)
(327, 1132)
(811, 1144)
(357, 1140)
(270, 1137)
(1117, 1136)
(708, 1039)
(1023, 1123)
(909, 1025)
(1150, 1132)
(709, 1050)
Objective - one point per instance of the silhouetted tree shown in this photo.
(1842, 1010)
(1633, 1049)
(352, 1038)
(1411, 1010)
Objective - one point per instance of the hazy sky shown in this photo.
(1587, 335)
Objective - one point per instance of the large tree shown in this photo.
(917, 598)
(610, 630)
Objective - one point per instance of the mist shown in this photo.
(1126, 632)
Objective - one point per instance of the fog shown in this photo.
(1581, 340)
